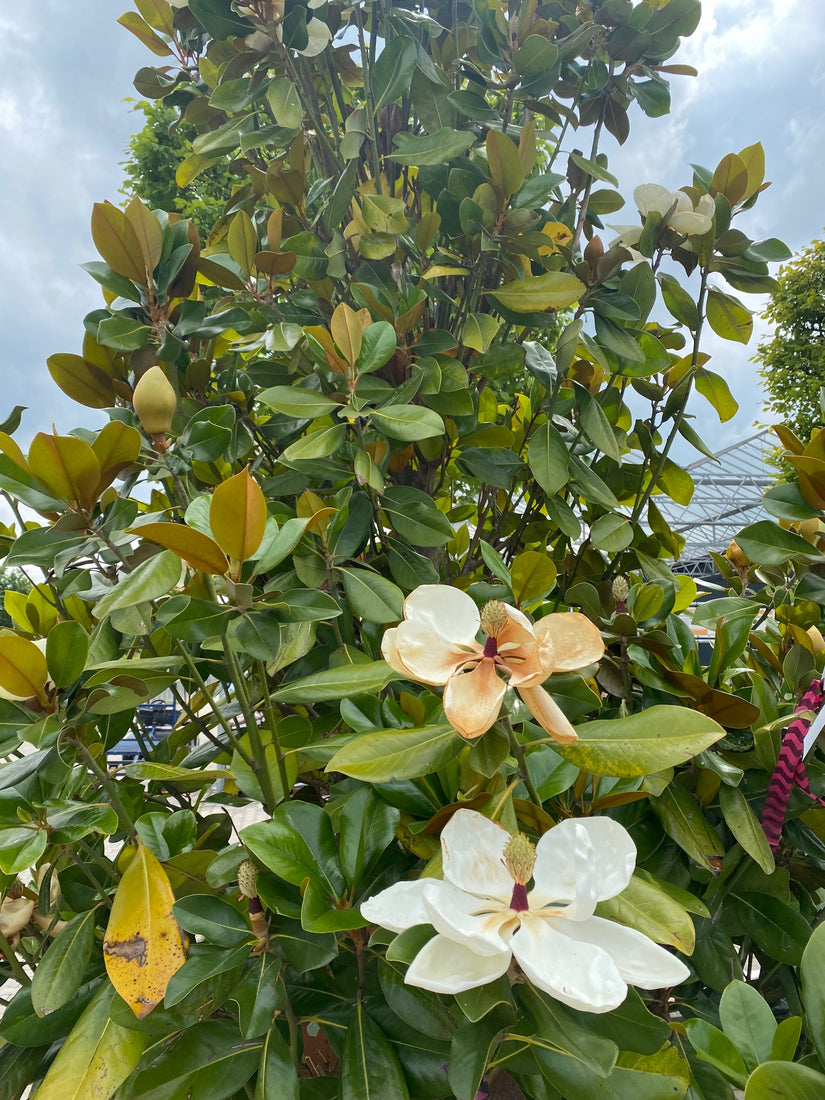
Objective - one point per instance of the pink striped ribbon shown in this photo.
(790, 768)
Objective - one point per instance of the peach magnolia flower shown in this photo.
(436, 644)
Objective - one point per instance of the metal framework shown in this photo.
(727, 497)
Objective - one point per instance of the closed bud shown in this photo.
(593, 252)
(155, 402)
(737, 557)
(248, 878)
(620, 589)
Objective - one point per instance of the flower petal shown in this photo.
(466, 919)
(683, 202)
(472, 700)
(389, 654)
(576, 641)
(548, 714)
(628, 235)
(399, 907)
(599, 844)
(444, 966)
(706, 206)
(581, 975)
(694, 225)
(638, 959)
(517, 633)
(566, 871)
(472, 847)
(15, 914)
(448, 611)
(425, 655)
(318, 35)
(652, 196)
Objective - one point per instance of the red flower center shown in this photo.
(518, 901)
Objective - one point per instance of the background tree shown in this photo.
(792, 361)
(157, 151)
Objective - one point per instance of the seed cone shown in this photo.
(154, 402)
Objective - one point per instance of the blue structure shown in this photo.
(157, 719)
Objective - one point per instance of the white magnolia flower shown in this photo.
(676, 206)
(485, 916)
(436, 644)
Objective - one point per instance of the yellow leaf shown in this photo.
(23, 671)
(237, 516)
(347, 328)
(117, 242)
(143, 946)
(12, 451)
(197, 549)
(66, 466)
(753, 157)
(242, 241)
(527, 148)
(148, 232)
(558, 233)
(439, 271)
(117, 446)
(96, 1056)
(274, 229)
(536, 293)
(322, 337)
(86, 382)
(505, 163)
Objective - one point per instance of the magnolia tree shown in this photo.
(376, 502)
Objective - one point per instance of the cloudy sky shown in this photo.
(65, 78)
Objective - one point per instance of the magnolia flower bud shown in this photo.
(620, 589)
(247, 878)
(155, 402)
(737, 557)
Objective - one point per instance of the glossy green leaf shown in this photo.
(537, 293)
(152, 578)
(67, 647)
(367, 827)
(548, 459)
(415, 517)
(812, 976)
(745, 826)
(728, 317)
(656, 738)
(96, 1057)
(683, 820)
(317, 444)
(371, 596)
(205, 1061)
(748, 1021)
(60, 972)
(409, 423)
(776, 927)
(712, 1045)
(438, 147)
(278, 1075)
(785, 1081)
(298, 402)
(392, 70)
(369, 1065)
(335, 683)
(767, 543)
(298, 843)
(389, 755)
(212, 918)
(647, 908)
